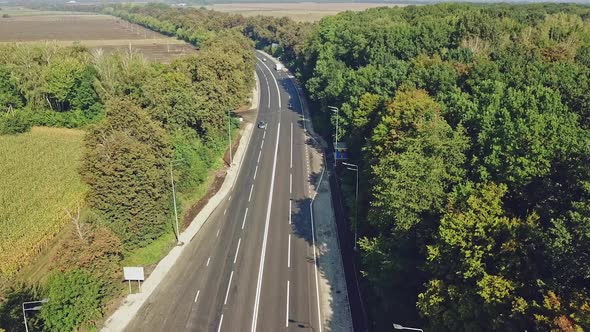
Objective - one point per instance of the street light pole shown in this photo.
(174, 199)
(336, 110)
(400, 327)
(45, 300)
(229, 135)
(355, 168)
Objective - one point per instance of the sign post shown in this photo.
(131, 273)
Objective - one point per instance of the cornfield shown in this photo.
(38, 181)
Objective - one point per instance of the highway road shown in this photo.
(252, 266)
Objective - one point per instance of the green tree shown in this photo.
(125, 166)
(10, 97)
(75, 300)
(483, 265)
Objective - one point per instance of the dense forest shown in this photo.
(140, 118)
(470, 125)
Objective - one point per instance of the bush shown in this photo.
(75, 300)
(93, 248)
(15, 122)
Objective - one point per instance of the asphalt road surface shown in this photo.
(251, 267)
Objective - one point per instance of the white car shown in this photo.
(262, 124)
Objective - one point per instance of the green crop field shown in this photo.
(38, 181)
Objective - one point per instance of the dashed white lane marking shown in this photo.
(291, 155)
(197, 297)
(220, 322)
(287, 314)
(290, 211)
(255, 172)
(290, 183)
(208, 260)
(244, 222)
(237, 250)
(259, 153)
(228, 287)
(216, 235)
(251, 190)
(229, 199)
(289, 253)
(224, 212)
(262, 144)
(264, 134)
(267, 85)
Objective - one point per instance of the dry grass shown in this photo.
(303, 11)
(39, 180)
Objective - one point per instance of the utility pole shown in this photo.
(336, 110)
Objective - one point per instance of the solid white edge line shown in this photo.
(300, 103)
(265, 236)
(237, 251)
(291, 156)
(251, 190)
(276, 84)
(220, 322)
(231, 276)
(287, 315)
(244, 222)
(197, 297)
(289, 253)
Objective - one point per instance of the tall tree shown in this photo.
(125, 166)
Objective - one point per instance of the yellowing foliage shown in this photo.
(38, 181)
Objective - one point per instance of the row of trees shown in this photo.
(140, 118)
(471, 127)
(47, 85)
(198, 25)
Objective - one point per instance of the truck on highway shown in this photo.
(279, 67)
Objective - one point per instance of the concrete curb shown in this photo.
(119, 320)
